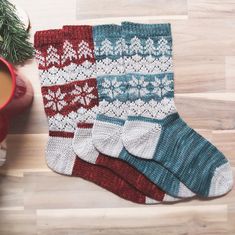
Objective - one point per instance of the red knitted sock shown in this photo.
(59, 79)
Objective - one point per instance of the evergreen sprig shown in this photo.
(14, 44)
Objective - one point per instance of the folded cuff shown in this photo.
(47, 37)
(146, 29)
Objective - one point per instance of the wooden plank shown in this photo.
(211, 9)
(230, 73)
(17, 222)
(199, 74)
(88, 9)
(148, 217)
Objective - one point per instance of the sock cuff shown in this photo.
(106, 31)
(47, 37)
(146, 29)
(77, 31)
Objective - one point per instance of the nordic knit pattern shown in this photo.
(115, 94)
(82, 141)
(162, 135)
(63, 96)
(112, 88)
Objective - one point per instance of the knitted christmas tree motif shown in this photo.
(59, 66)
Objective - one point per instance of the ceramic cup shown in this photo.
(19, 99)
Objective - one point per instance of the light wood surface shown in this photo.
(34, 200)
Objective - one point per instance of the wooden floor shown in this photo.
(34, 200)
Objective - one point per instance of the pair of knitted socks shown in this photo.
(67, 70)
(137, 114)
(131, 66)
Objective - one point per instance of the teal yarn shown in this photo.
(188, 156)
(154, 130)
(146, 30)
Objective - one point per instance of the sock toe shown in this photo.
(106, 135)
(222, 181)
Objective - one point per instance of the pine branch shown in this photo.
(14, 44)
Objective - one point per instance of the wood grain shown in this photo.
(35, 200)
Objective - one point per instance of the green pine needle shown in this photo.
(14, 44)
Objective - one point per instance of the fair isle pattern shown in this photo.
(152, 109)
(68, 123)
(109, 66)
(108, 55)
(65, 76)
(150, 87)
(150, 96)
(112, 86)
(74, 62)
(68, 73)
(61, 104)
(150, 56)
(113, 95)
(69, 97)
(148, 64)
(114, 109)
(54, 57)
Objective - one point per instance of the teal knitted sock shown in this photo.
(112, 86)
(114, 101)
(154, 129)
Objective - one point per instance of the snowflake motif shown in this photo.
(83, 94)
(55, 100)
(138, 86)
(162, 86)
(111, 87)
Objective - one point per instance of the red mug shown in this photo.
(20, 98)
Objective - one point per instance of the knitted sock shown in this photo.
(59, 84)
(154, 130)
(102, 133)
(82, 142)
(112, 85)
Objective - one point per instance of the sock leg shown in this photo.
(112, 89)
